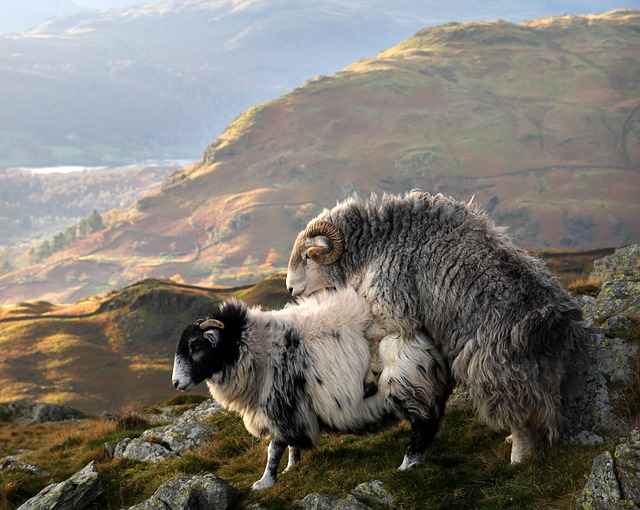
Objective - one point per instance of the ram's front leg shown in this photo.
(274, 454)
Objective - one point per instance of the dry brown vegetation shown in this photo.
(537, 121)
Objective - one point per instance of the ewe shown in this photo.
(294, 372)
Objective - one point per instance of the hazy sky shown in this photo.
(18, 15)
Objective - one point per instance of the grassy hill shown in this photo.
(116, 351)
(537, 121)
(107, 353)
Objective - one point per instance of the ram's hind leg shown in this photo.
(522, 444)
(274, 454)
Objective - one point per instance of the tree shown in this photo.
(94, 221)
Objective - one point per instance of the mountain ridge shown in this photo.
(160, 80)
(539, 127)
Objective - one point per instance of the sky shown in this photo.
(18, 15)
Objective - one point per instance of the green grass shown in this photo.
(468, 466)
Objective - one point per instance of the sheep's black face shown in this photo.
(199, 355)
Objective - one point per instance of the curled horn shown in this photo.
(211, 323)
(318, 254)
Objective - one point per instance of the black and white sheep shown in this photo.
(294, 372)
(431, 264)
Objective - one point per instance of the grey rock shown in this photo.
(145, 451)
(615, 479)
(76, 493)
(587, 392)
(27, 412)
(121, 447)
(623, 260)
(620, 293)
(321, 501)
(627, 457)
(602, 490)
(618, 323)
(188, 432)
(14, 462)
(205, 492)
(109, 451)
(373, 492)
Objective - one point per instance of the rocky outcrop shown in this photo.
(15, 462)
(206, 492)
(187, 432)
(604, 362)
(76, 493)
(27, 412)
(615, 478)
(617, 306)
(588, 392)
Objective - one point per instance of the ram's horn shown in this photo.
(320, 254)
(211, 323)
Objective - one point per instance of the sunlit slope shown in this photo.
(539, 123)
(107, 353)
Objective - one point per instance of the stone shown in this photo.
(602, 490)
(587, 391)
(619, 296)
(627, 457)
(145, 451)
(188, 432)
(27, 412)
(321, 501)
(373, 492)
(614, 482)
(14, 462)
(622, 260)
(76, 493)
(206, 492)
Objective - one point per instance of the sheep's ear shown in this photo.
(213, 335)
(321, 250)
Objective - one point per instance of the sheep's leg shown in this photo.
(370, 383)
(522, 444)
(423, 433)
(294, 457)
(274, 454)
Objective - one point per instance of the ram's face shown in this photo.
(197, 355)
(316, 249)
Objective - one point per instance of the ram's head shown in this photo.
(315, 252)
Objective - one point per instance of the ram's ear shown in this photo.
(319, 250)
(326, 242)
(213, 335)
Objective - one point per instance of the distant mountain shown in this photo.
(539, 122)
(163, 79)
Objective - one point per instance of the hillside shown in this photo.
(538, 122)
(116, 351)
(162, 79)
(38, 206)
(107, 353)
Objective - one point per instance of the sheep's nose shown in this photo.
(175, 383)
(291, 290)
